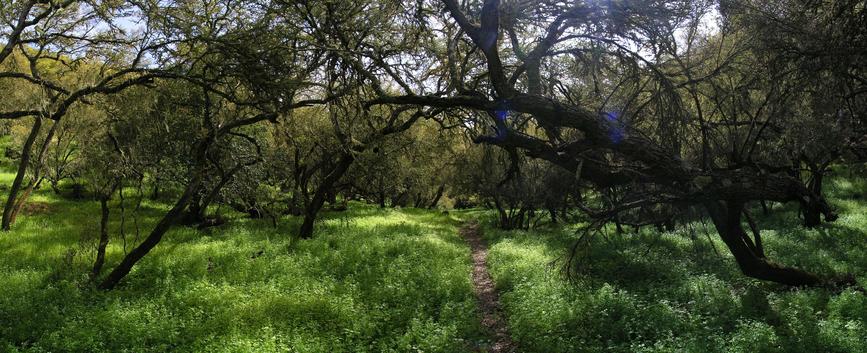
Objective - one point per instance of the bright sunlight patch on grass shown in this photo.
(398, 280)
(372, 281)
(671, 292)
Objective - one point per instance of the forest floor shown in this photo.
(486, 294)
(401, 280)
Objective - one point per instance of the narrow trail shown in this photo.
(486, 295)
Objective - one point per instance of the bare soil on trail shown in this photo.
(486, 295)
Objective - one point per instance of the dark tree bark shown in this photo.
(37, 177)
(512, 216)
(504, 216)
(195, 213)
(721, 191)
(19, 176)
(437, 196)
(312, 209)
(757, 240)
(812, 215)
(169, 219)
(176, 212)
(198, 207)
(155, 192)
(418, 200)
(654, 164)
(55, 187)
(22, 200)
(400, 200)
(103, 238)
(670, 224)
(726, 218)
(345, 160)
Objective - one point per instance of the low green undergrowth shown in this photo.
(399, 281)
(682, 292)
(371, 281)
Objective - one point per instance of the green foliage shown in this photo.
(372, 281)
(398, 281)
(666, 292)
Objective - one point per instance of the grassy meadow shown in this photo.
(372, 281)
(398, 280)
(682, 291)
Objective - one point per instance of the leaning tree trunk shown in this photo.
(437, 196)
(103, 238)
(37, 177)
(603, 135)
(169, 219)
(399, 200)
(727, 220)
(197, 212)
(26, 152)
(504, 216)
(418, 200)
(312, 209)
(21, 200)
(55, 187)
(812, 215)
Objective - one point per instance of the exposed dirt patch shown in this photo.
(486, 295)
(32, 208)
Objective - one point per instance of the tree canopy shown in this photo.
(600, 113)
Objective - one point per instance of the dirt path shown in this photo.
(486, 296)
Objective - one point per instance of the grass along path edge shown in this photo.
(486, 294)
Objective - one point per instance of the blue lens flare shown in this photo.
(500, 124)
(616, 129)
(500, 116)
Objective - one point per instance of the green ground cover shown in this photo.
(399, 280)
(672, 292)
(372, 281)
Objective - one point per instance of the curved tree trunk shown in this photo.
(156, 235)
(26, 152)
(169, 219)
(21, 200)
(312, 209)
(55, 187)
(658, 166)
(37, 174)
(103, 238)
(727, 220)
